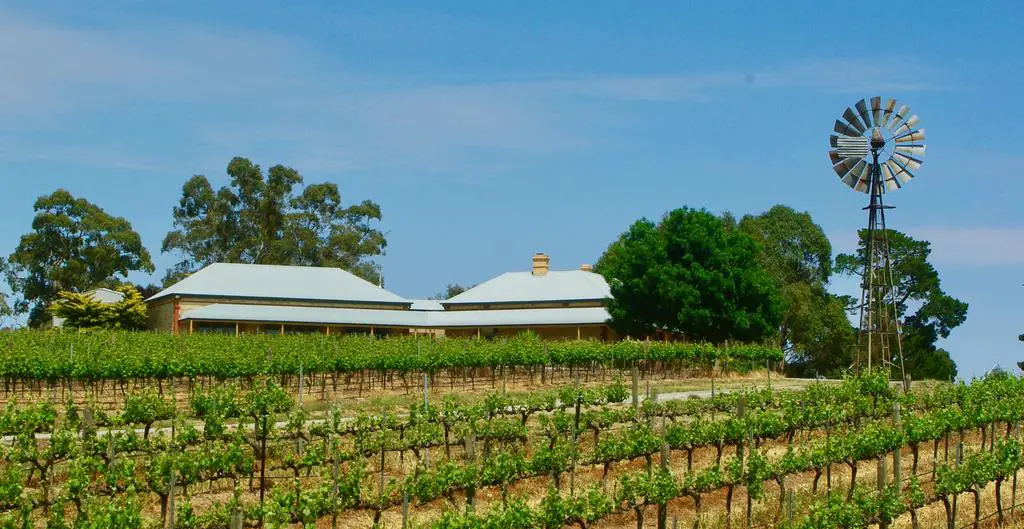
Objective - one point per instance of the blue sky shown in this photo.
(491, 130)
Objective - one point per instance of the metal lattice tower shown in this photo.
(875, 149)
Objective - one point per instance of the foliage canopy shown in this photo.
(257, 218)
(691, 275)
(74, 245)
(83, 311)
(927, 312)
(796, 253)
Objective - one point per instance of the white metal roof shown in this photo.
(519, 287)
(280, 282)
(399, 318)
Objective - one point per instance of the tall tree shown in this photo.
(926, 312)
(258, 218)
(796, 253)
(74, 245)
(689, 275)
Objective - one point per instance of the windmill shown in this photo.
(875, 150)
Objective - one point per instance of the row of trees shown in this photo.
(707, 277)
(766, 277)
(260, 217)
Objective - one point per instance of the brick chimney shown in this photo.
(586, 267)
(541, 264)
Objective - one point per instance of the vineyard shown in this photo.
(105, 366)
(851, 454)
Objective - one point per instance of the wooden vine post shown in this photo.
(663, 506)
(470, 448)
(405, 509)
(897, 456)
(635, 374)
(426, 404)
(883, 473)
(334, 480)
(575, 434)
(790, 500)
(1013, 491)
(263, 465)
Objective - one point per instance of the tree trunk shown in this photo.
(781, 480)
(728, 506)
(853, 480)
(999, 501)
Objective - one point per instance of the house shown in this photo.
(244, 298)
(553, 304)
(105, 296)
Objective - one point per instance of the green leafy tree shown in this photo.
(452, 290)
(258, 218)
(148, 291)
(926, 311)
(5, 308)
(84, 311)
(796, 253)
(689, 274)
(74, 245)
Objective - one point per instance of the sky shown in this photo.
(489, 131)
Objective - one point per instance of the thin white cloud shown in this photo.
(974, 247)
(255, 89)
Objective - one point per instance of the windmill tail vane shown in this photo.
(876, 148)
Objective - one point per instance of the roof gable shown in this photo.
(104, 295)
(524, 287)
(235, 280)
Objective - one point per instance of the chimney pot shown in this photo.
(541, 264)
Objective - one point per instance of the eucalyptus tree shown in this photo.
(261, 217)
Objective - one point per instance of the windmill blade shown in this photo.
(887, 113)
(898, 171)
(862, 110)
(834, 156)
(876, 110)
(864, 179)
(907, 161)
(852, 146)
(891, 184)
(851, 177)
(907, 126)
(855, 122)
(901, 115)
(844, 129)
(844, 166)
(833, 141)
(913, 150)
(913, 136)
